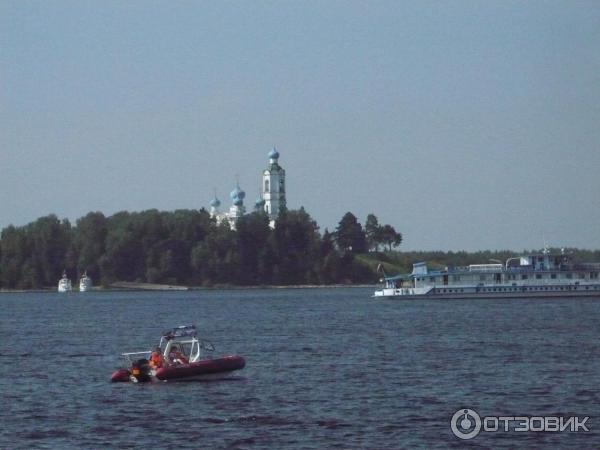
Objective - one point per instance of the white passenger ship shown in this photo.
(539, 275)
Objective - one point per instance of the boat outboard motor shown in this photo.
(140, 371)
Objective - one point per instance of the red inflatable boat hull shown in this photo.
(201, 368)
(120, 375)
(198, 369)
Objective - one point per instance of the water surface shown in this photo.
(326, 368)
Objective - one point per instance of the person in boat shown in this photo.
(176, 357)
(156, 359)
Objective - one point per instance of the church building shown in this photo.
(271, 200)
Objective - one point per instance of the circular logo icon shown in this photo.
(465, 424)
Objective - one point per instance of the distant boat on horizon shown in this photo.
(64, 284)
(85, 283)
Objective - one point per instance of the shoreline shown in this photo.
(146, 287)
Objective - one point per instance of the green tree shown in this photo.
(252, 240)
(331, 270)
(89, 243)
(14, 251)
(168, 261)
(327, 243)
(350, 236)
(190, 226)
(49, 242)
(390, 237)
(200, 261)
(124, 258)
(373, 231)
(215, 260)
(296, 245)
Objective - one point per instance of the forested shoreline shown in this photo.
(188, 247)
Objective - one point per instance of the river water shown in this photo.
(325, 368)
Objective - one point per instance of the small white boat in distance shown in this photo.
(64, 284)
(85, 283)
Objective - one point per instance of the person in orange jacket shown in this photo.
(156, 360)
(176, 357)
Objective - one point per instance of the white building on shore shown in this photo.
(272, 198)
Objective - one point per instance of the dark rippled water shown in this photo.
(326, 368)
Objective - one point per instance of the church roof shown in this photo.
(273, 154)
(215, 202)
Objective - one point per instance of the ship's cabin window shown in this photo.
(582, 276)
(456, 278)
(538, 276)
(569, 275)
(432, 279)
(594, 275)
(553, 276)
(524, 276)
(482, 277)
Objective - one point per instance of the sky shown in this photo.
(466, 125)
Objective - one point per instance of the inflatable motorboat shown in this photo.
(180, 355)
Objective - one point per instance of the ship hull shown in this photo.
(473, 292)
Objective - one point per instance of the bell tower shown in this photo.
(273, 187)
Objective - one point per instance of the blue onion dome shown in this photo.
(237, 196)
(235, 193)
(273, 154)
(259, 202)
(238, 201)
(215, 202)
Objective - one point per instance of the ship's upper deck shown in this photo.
(535, 263)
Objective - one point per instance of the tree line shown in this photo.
(188, 247)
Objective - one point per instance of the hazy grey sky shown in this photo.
(464, 124)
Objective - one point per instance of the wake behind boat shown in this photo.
(537, 275)
(178, 356)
